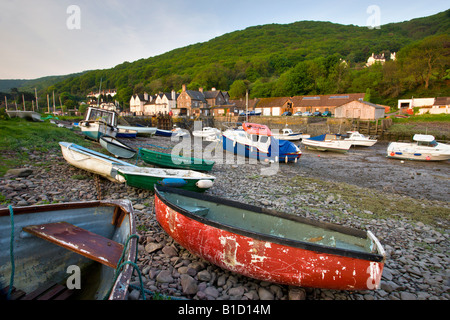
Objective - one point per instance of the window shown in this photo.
(311, 98)
(339, 97)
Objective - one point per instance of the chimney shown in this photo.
(173, 95)
(183, 87)
(213, 89)
(200, 89)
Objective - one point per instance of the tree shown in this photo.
(238, 89)
(425, 58)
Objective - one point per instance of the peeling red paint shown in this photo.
(268, 261)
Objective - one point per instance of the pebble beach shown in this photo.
(417, 261)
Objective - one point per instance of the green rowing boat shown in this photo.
(147, 178)
(167, 160)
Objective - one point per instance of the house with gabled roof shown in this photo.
(137, 103)
(165, 102)
(322, 103)
(359, 109)
(272, 106)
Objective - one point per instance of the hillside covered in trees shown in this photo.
(301, 58)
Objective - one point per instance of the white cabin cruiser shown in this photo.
(425, 148)
(327, 142)
(359, 139)
(288, 134)
(208, 133)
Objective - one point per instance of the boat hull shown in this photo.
(362, 143)
(29, 115)
(248, 151)
(166, 160)
(407, 151)
(266, 257)
(147, 178)
(125, 133)
(292, 136)
(117, 148)
(94, 130)
(139, 130)
(340, 146)
(39, 262)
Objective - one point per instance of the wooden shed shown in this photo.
(360, 110)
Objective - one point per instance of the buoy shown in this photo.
(204, 184)
(173, 182)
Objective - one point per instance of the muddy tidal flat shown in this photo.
(404, 203)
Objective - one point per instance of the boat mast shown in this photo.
(54, 107)
(99, 90)
(37, 104)
(246, 105)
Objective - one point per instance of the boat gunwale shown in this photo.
(375, 257)
(93, 154)
(123, 170)
(248, 147)
(167, 155)
(113, 141)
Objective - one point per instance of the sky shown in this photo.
(58, 37)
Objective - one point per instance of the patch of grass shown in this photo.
(19, 138)
(79, 177)
(371, 203)
(423, 118)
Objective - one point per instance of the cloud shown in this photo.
(36, 41)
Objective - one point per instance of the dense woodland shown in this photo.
(301, 58)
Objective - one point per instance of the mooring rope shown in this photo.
(11, 254)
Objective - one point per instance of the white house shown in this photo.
(440, 105)
(137, 103)
(378, 58)
(166, 102)
(145, 104)
(415, 102)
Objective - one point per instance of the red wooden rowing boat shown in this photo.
(258, 129)
(270, 246)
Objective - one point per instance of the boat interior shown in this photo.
(47, 247)
(274, 225)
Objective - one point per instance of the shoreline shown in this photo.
(417, 252)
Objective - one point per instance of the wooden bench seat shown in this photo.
(48, 292)
(86, 243)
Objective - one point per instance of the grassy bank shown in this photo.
(437, 125)
(21, 139)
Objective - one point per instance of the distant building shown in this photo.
(109, 92)
(359, 109)
(277, 106)
(379, 58)
(191, 102)
(407, 105)
(196, 103)
(426, 105)
(149, 105)
(137, 103)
